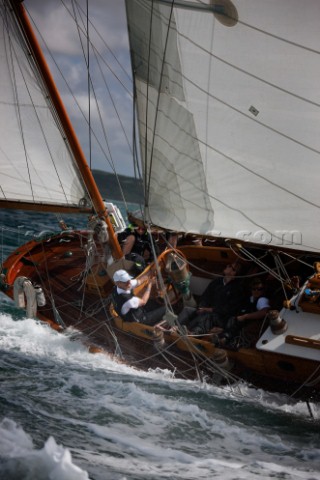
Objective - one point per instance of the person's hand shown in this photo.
(151, 273)
(216, 330)
(205, 309)
(241, 318)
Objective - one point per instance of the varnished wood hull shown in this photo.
(79, 298)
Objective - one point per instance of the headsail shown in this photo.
(37, 165)
(228, 106)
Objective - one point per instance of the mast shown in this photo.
(75, 146)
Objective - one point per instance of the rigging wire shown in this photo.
(146, 114)
(9, 56)
(115, 58)
(53, 297)
(199, 359)
(34, 68)
(148, 178)
(89, 81)
(93, 133)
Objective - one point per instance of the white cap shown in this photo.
(121, 276)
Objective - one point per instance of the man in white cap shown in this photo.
(130, 307)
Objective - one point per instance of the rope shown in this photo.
(93, 90)
(308, 382)
(23, 290)
(159, 274)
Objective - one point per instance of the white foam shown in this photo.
(146, 423)
(18, 456)
(37, 339)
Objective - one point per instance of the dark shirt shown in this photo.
(225, 299)
(249, 306)
(141, 243)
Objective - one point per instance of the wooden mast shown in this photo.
(66, 124)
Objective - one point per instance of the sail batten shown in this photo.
(230, 116)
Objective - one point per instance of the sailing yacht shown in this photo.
(227, 103)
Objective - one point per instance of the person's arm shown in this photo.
(259, 314)
(146, 295)
(136, 301)
(263, 307)
(148, 277)
(128, 244)
(173, 240)
(205, 309)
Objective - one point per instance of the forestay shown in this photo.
(228, 109)
(36, 163)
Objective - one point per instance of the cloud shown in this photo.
(111, 78)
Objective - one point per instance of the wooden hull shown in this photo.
(79, 298)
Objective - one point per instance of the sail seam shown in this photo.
(245, 72)
(159, 91)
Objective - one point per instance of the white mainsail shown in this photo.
(229, 117)
(37, 165)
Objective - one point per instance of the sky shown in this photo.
(59, 37)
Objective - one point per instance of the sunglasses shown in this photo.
(258, 289)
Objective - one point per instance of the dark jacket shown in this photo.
(134, 314)
(249, 306)
(141, 242)
(226, 299)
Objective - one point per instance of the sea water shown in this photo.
(67, 414)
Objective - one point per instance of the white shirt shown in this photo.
(263, 302)
(134, 302)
